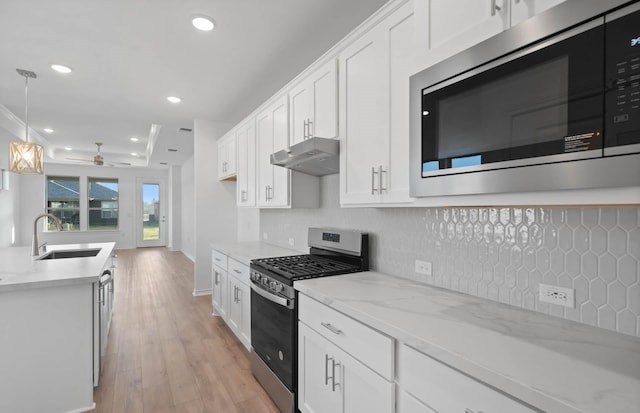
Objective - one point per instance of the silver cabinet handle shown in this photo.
(331, 328)
(217, 259)
(495, 7)
(472, 411)
(238, 295)
(326, 369)
(266, 192)
(333, 375)
(237, 271)
(310, 128)
(305, 129)
(373, 180)
(380, 172)
(243, 195)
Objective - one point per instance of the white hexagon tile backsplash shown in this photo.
(501, 254)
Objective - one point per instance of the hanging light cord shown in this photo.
(26, 109)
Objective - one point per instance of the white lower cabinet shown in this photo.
(239, 299)
(444, 389)
(231, 298)
(343, 365)
(409, 404)
(332, 381)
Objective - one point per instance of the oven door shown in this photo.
(274, 333)
(540, 105)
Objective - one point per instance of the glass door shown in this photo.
(152, 213)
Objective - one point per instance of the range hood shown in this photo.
(314, 156)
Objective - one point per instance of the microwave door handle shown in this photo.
(273, 298)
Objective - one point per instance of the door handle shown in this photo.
(331, 328)
(495, 7)
(326, 369)
(333, 375)
(381, 171)
(373, 180)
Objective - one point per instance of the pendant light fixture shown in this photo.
(26, 157)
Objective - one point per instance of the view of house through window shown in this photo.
(151, 212)
(63, 201)
(103, 203)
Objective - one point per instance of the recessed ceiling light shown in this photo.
(48, 130)
(67, 148)
(134, 139)
(203, 23)
(174, 99)
(134, 154)
(61, 68)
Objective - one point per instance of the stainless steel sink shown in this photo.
(56, 255)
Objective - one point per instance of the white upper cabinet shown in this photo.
(314, 105)
(521, 10)
(227, 156)
(374, 112)
(279, 187)
(246, 179)
(446, 27)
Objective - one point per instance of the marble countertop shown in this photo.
(244, 252)
(551, 363)
(19, 270)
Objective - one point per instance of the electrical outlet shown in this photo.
(292, 242)
(265, 236)
(557, 295)
(423, 267)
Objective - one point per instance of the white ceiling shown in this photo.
(129, 55)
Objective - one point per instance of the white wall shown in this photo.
(32, 203)
(248, 224)
(187, 226)
(215, 202)
(9, 211)
(174, 230)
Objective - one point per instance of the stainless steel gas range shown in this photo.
(274, 314)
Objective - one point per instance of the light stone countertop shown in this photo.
(551, 363)
(244, 252)
(19, 270)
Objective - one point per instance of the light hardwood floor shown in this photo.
(166, 352)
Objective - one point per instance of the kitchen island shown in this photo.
(48, 328)
(548, 363)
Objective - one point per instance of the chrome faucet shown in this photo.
(35, 250)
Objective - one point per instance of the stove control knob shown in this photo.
(265, 281)
(272, 285)
(279, 287)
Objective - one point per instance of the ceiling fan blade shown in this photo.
(118, 164)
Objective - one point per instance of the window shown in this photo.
(103, 204)
(63, 201)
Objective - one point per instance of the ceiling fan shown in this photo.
(98, 159)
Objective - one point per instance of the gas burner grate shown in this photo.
(305, 266)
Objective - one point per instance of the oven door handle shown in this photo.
(273, 298)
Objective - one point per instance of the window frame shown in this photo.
(75, 226)
(105, 213)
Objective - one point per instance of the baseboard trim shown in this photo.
(197, 293)
(192, 258)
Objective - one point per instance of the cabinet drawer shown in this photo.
(371, 347)
(219, 259)
(444, 389)
(409, 404)
(239, 270)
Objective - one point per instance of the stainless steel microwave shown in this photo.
(550, 104)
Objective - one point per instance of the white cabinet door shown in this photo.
(272, 127)
(364, 97)
(409, 404)
(235, 309)
(219, 296)
(374, 112)
(315, 392)
(324, 102)
(521, 10)
(300, 111)
(279, 193)
(332, 381)
(314, 105)
(227, 156)
(246, 179)
(244, 300)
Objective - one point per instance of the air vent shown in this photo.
(172, 150)
(185, 130)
